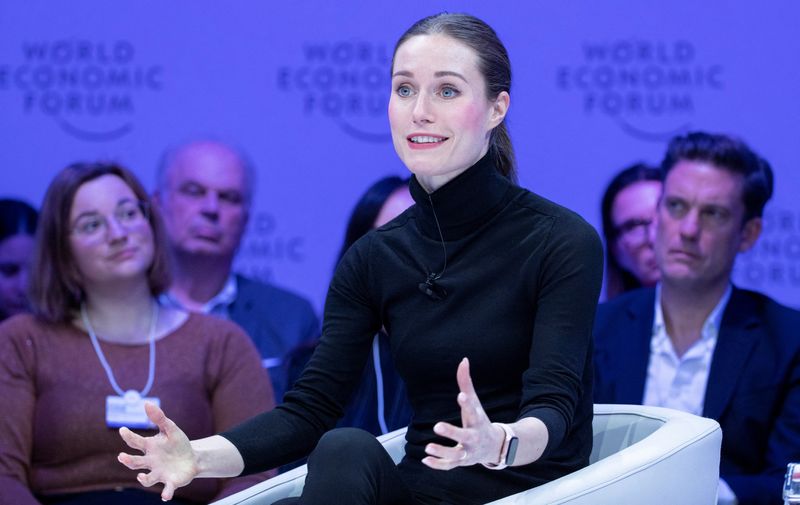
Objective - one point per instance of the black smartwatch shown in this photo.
(511, 452)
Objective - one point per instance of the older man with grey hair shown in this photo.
(204, 194)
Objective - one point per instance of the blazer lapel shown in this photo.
(635, 349)
(736, 339)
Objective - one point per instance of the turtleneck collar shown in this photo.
(464, 203)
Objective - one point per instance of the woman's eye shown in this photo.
(128, 214)
(89, 226)
(448, 92)
(404, 91)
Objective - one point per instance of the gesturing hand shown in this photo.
(168, 455)
(477, 440)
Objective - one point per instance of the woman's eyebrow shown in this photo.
(441, 73)
(446, 73)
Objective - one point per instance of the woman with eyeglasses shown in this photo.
(99, 345)
(628, 209)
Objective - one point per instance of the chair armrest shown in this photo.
(676, 463)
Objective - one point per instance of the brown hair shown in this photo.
(55, 287)
(493, 63)
(619, 280)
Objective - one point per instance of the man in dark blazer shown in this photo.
(697, 343)
(204, 191)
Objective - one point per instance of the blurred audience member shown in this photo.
(205, 192)
(379, 405)
(628, 209)
(99, 343)
(17, 229)
(697, 343)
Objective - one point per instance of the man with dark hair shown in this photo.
(697, 343)
(204, 191)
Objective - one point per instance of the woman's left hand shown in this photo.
(477, 440)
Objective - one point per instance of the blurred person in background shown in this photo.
(628, 210)
(379, 404)
(99, 343)
(697, 343)
(17, 230)
(205, 193)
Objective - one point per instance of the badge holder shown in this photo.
(129, 411)
(126, 408)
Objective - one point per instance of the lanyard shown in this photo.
(152, 365)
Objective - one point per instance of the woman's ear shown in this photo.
(499, 109)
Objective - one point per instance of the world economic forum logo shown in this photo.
(346, 82)
(90, 88)
(265, 246)
(650, 88)
(774, 260)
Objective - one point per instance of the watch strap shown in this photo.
(506, 458)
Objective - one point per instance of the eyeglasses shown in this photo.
(128, 214)
(634, 232)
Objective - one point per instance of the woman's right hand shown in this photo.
(168, 455)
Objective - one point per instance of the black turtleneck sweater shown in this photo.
(522, 278)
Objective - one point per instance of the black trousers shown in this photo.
(350, 467)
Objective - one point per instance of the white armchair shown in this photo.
(640, 455)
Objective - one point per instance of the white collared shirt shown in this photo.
(218, 305)
(680, 382)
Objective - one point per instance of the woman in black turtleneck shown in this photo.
(487, 291)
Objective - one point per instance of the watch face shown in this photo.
(512, 450)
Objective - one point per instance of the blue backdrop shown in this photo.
(303, 87)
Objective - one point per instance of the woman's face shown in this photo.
(15, 258)
(438, 110)
(110, 236)
(633, 213)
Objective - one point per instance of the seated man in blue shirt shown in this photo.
(697, 343)
(204, 192)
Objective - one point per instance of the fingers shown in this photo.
(441, 457)
(438, 464)
(470, 410)
(456, 454)
(133, 462)
(132, 439)
(157, 417)
(445, 458)
(464, 379)
(454, 433)
(472, 413)
(146, 479)
(169, 490)
(474, 425)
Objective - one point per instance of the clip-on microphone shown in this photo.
(431, 289)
